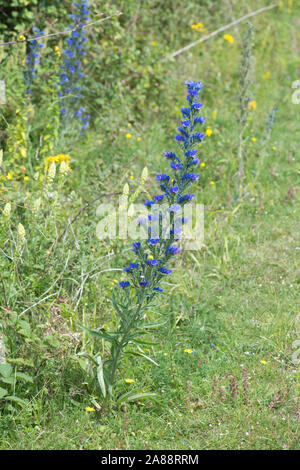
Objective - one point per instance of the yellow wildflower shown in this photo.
(189, 351)
(21, 37)
(128, 136)
(266, 75)
(138, 139)
(208, 131)
(252, 104)
(154, 43)
(132, 177)
(89, 409)
(203, 165)
(274, 147)
(253, 139)
(26, 178)
(9, 176)
(199, 27)
(212, 183)
(214, 114)
(263, 362)
(229, 38)
(57, 50)
(129, 381)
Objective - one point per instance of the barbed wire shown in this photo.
(69, 31)
(217, 31)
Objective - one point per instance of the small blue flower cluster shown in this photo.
(154, 255)
(270, 121)
(32, 60)
(71, 70)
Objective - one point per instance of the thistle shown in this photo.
(150, 268)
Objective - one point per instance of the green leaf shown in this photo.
(116, 306)
(25, 377)
(131, 396)
(96, 333)
(100, 376)
(151, 325)
(3, 392)
(6, 370)
(17, 400)
(135, 353)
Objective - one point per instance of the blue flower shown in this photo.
(136, 246)
(32, 60)
(148, 203)
(70, 69)
(165, 270)
(158, 289)
(175, 191)
(162, 177)
(124, 284)
(151, 262)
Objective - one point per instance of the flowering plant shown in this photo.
(70, 71)
(32, 60)
(149, 269)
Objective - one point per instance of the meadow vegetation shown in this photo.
(224, 367)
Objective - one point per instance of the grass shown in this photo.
(235, 303)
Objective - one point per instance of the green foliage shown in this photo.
(220, 374)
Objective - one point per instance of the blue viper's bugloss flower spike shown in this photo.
(191, 153)
(162, 177)
(176, 166)
(193, 162)
(186, 112)
(196, 106)
(152, 269)
(165, 270)
(32, 60)
(136, 246)
(173, 250)
(151, 262)
(70, 69)
(190, 176)
(124, 284)
(179, 138)
(148, 203)
(185, 198)
(199, 119)
(171, 155)
(153, 241)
